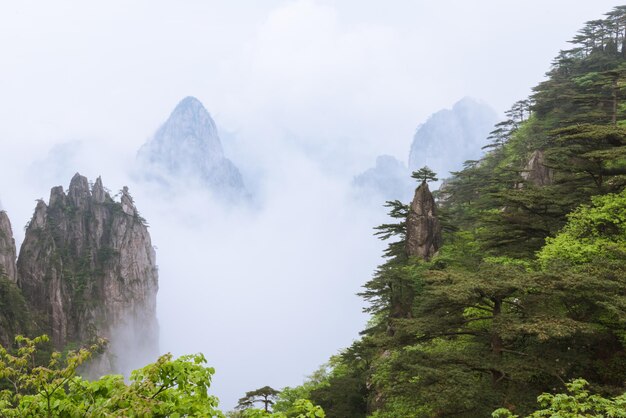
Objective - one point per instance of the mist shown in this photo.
(265, 289)
(305, 94)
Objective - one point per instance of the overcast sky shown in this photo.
(310, 88)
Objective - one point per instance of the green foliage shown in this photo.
(424, 174)
(528, 292)
(592, 232)
(14, 314)
(529, 288)
(338, 387)
(264, 395)
(167, 388)
(301, 408)
(577, 403)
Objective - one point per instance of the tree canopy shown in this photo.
(528, 291)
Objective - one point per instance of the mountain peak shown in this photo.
(190, 103)
(187, 140)
(451, 136)
(191, 122)
(187, 146)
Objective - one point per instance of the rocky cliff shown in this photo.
(14, 316)
(423, 230)
(8, 255)
(87, 268)
(536, 172)
(187, 149)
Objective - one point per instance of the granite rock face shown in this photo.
(8, 255)
(536, 172)
(14, 318)
(423, 235)
(187, 149)
(87, 269)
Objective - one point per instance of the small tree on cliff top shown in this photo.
(425, 174)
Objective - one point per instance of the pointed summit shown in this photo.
(423, 230)
(98, 192)
(192, 103)
(191, 129)
(187, 147)
(191, 119)
(79, 190)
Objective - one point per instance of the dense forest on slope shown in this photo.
(528, 291)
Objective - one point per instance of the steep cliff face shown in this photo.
(536, 172)
(13, 312)
(187, 149)
(423, 235)
(87, 268)
(7, 248)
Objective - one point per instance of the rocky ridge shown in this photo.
(87, 269)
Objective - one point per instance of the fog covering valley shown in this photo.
(305, 95)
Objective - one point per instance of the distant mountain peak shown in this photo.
(468, 101)
(191, 110)
(187, 147)
(190, 125)
(451, 136)
(190, 101)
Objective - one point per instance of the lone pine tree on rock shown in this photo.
(425, 174)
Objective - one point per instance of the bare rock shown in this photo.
(536, 172)
(87, 269)
(7, 248)
(79, 194)
(423, 236)
(128, 205)
(97, 191)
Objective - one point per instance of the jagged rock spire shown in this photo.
(79, 192)
(423, 236)
(87, 268)
(97, 191)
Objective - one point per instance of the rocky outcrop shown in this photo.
(8, 256)
(14, 317)
(187, 149)
(423, 230)
(536, 172)
(87, 268)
